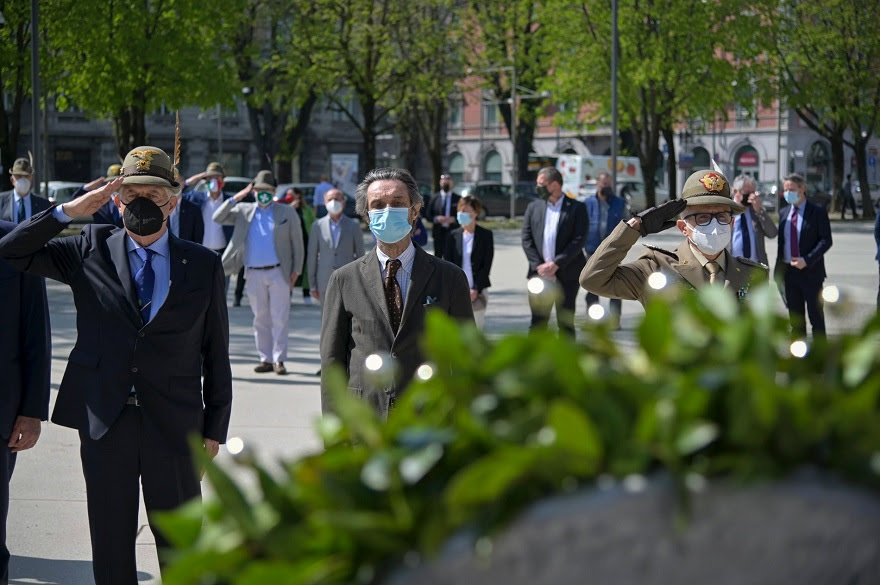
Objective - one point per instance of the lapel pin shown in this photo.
(184, 260)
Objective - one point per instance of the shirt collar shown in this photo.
(721, 260)
(16, 197)
(558, 205)
(406, 259)
(160, 246)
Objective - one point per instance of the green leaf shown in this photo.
(489, 477)
(575, 433)
(695, 437)
(415, 466)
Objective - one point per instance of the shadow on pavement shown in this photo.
(29, 570)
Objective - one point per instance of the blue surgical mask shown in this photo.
(791, 197)
(463, 217)
(390, 225)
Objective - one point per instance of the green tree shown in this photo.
(504, 34)
(358, 55)
(825, 58)
(15, 78)
(678, 61)
(273, 48)
(123, 59)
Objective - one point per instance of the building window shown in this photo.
(455, 113)
(746, 162)
(744, 117)
(456, 167)
(492, 166)
(490, 117)
(701, 159)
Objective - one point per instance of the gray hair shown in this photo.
(796, 179)
(551, 174)
(386, 174)
(743, 180)
(170, 191)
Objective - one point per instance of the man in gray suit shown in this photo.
(378, 303)
(752, 226)
(335, 240)
(267, 241)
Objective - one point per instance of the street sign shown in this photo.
(748, 159)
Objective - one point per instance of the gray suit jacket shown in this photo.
(356, 324)
(324, 257)
(763, 226)
(7, 199)
(288, 235)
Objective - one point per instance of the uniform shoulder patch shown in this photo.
(672, 255)
(749, 262)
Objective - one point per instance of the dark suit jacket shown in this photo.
(570, 237)
(356, 323)
(191, 224)
(25, 356)
(435, 207)
(114, 350)
(108, 214)
(814, 241)
(481, 255)
(7, 200)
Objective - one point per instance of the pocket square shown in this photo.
(430, 300)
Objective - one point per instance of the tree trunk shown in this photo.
(861, 152)
(837, 166)
(671, 163)
(647, 147)
(368, 132)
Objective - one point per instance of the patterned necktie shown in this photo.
(746, 238)
(21, 217)
(143, 282)
(714, 269)
(793, 234)
(393, 297)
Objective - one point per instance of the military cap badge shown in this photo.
(146, 159)
(713, 182)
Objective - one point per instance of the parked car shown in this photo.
(495, 197)
(857, 193)
(769, 196)
(61, 191)
(636, 199)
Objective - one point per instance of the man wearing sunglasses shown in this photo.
(704, 216)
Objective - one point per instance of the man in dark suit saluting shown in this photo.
(24, 369)
(804, 237)
(553, 236)
(378, 303)
(151, 321)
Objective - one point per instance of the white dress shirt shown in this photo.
(467, 248)
(214, 238)
(551, 225)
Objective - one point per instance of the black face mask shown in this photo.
(542, 192)
(444, 186)
(142, 217)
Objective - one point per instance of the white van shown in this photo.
(579, 172)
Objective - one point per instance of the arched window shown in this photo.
(492, 166)
(746, 162)
(456, 167)
(819, 167)
(701, 159)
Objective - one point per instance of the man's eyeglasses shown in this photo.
(723, 217)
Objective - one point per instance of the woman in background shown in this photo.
(472, 248)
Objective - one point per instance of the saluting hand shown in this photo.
(94, 184)
(657, 219)
(87, 204)
(243, 193)
(25, 433)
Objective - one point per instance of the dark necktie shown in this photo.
(393, 297)
(746, 238)
(21, 217)
(143, 282)
(793, 234)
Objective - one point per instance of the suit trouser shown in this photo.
(220, 253)
(798, 292)
(564, 313)
(7, 465)
(269, 295)
(132, 452)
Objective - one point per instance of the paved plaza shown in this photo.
(48, 532)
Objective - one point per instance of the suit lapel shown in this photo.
(423, 267)
(116, 243)
(735, 276)
(371, 273)
(459, 244)
(177, 258)
(688, 266)
(563, 217)
(6, 206)
(538, 229)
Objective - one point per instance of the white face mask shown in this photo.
(712, 238)
(22, 186)
(334, 206)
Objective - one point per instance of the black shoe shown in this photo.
(318, 373)
(280, 369)
(263, 367)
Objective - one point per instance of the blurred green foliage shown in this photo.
(710, 388)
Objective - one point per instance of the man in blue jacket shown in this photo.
(604, 211)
